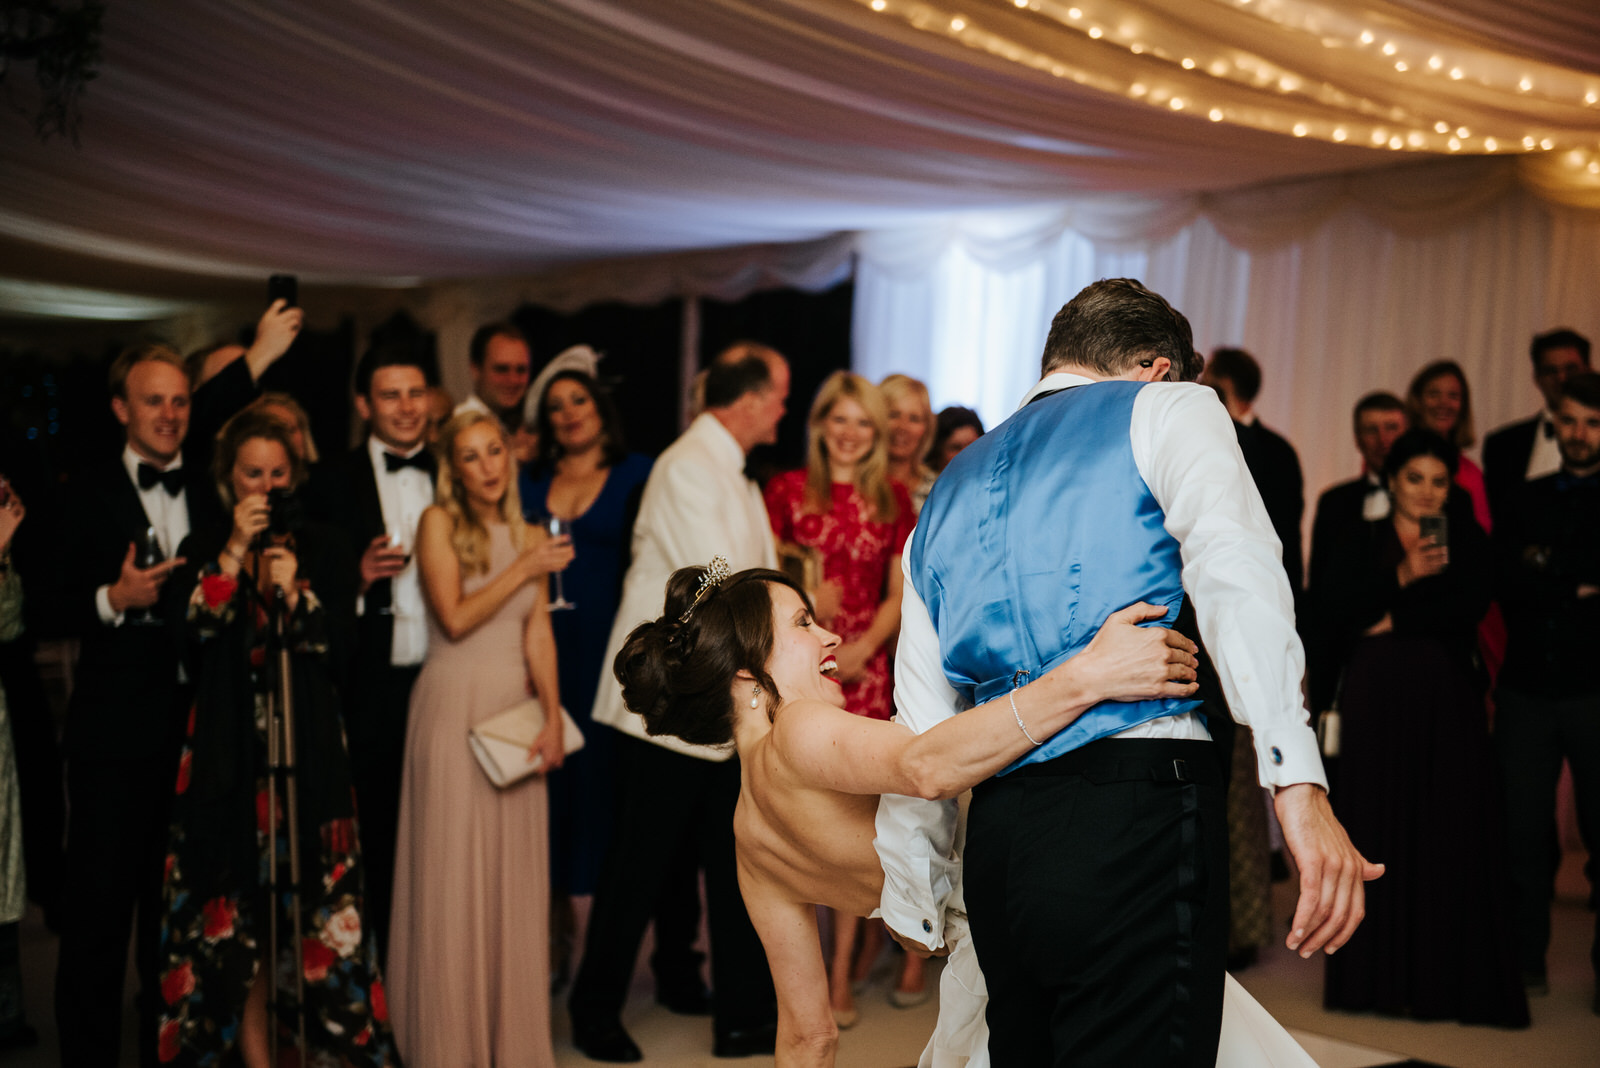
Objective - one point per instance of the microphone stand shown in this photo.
(281, 764)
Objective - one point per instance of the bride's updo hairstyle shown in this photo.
(677, 672)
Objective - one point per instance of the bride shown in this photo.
(739, 658)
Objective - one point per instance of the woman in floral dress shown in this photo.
(844, 506)
(215, 930)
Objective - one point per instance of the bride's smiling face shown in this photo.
(802, 663)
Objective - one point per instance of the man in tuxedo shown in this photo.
(1379, 419)
(1273, 463)
(1526, 450)
(677, 799)
(376, 495)
(1095, 873)
(125, 720)
(501, 367)
(1548, 699)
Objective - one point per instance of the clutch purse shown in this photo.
(501, 744)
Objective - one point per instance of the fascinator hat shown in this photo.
(580, 358)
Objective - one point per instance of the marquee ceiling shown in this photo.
(378, 142)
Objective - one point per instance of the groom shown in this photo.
(1095, 869)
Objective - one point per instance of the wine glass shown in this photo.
(559, 528)
(148, 555)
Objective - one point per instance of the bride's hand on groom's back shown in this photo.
(1128, 662)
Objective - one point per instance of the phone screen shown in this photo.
(284, 287)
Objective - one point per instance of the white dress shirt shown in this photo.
(1545, 456)
(404, 495)
(1185, 448)
(697, 504)
(168, 514)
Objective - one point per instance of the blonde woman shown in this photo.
(844, 506)
(286, 410)
(469, 956)
(911, 432)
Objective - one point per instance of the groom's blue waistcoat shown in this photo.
(1032, 536)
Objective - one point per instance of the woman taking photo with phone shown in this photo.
(269, 575)
(1416, 780)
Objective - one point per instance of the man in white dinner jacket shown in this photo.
(676, 800)
(1094, 874)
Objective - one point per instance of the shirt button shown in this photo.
(1277, 755)
(927, 927)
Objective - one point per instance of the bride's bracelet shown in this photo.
(1014, 712)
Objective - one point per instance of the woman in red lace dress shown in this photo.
(844, 506)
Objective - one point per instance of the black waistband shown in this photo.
(1130, 760)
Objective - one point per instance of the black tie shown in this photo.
(171, 481)
(420, 459)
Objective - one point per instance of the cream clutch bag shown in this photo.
(501, 744)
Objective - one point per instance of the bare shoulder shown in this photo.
(805, 724)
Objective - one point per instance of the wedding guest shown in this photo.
(1417, 778)
(499, 361)
(954, 429)
(440, 408)
(14, 1029)
(1439, 400)
(1342, 512)
(1526, 450)
(585, 476)
(287, 411)
(376, 494)
(697, 503)
(911, 432)
(268, 573)
(469, 960)
(843, 507)
(125, 718)
(1548, 701)
(1274, 465)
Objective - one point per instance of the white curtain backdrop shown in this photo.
(1347, 304)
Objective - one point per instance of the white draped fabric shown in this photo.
(398, 144)
(1347, 304)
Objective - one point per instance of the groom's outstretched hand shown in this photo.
(1333, 873)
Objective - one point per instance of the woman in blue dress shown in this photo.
(584, 474)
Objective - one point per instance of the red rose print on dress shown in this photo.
(319, 958)
(342, 932)
(167, 1047)
(178, 983)
(219, 915)
(217, 589)
(185, 766)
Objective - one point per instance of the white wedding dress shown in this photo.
(1251, 1038)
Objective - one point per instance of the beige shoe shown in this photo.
(910, 999)
(846, 1018)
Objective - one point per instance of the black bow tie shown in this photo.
(171, 481)
(420, 459)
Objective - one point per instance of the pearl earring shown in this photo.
(755, 696)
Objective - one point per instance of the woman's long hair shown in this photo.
(469, 537)
(904, 387)
(872, 473)
(247, 425)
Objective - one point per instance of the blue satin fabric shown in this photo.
(1031, 537)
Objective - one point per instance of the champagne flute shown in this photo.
(559, 528)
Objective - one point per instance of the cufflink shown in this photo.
(1277, 755)
(927, 927)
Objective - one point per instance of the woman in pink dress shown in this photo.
(469, 957)
(844, 506)
(1439, 400)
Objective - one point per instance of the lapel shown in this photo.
(364, 486)
(122, 502)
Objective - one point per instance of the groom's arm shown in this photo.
(1188, 454)
(915, 837)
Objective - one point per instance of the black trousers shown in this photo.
(671, 806)
(375, 720)
(1532, 735)
(116, 848)
(1097, 889)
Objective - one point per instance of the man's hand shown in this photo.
(139, 587)
(912, 946)
(276, 330)
(381, 561)
(1333, 873)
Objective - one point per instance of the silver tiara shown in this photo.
(716, 573)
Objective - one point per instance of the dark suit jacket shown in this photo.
(126, 698)
(1275, 467)
(1505, 463)
(229, 392)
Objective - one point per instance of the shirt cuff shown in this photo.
(917, 922)
(361, 605)
(1287, 756)
(102, 604)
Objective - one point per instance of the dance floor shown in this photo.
(1565, 1034)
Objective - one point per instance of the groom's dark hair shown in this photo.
(1115, 324)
